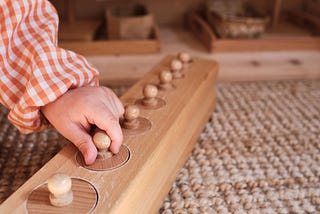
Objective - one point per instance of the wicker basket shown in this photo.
(235, 19)
(129, 22)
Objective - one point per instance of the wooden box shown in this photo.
(235, 19)
(129, 22)
(90, 37)
(285, 37)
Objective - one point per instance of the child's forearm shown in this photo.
(33, 70)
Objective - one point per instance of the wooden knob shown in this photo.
(150, 91)
(165, 76)
(184, 57)
(131, 115)
(101, 140)
(131, 112)
(176, 65)
(59, 187)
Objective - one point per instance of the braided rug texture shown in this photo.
(258, 153)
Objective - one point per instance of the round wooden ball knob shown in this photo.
(59, 187)
(176, 65)
(131, 112)
(184, 57)
(101, 140)
(150, 91)
(165, 76)
(59, 184)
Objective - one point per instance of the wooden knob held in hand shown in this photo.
(59, 186)
(101, 140)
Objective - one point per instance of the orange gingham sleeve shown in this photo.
(34, 71)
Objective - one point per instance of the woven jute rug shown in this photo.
(258, 153)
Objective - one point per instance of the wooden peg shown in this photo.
(165, 78)
(59, 187)
(150, 93)
(131, 115)
(176, 66)
(102, 141)
(184, 57)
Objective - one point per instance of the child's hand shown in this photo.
(74, 112)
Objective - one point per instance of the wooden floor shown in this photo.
(246, 66)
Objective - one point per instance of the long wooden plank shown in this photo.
(115, 47)
(156, 156)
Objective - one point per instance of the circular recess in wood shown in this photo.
(166, 87)
(159, 103)
(85, 198)
(108, 163)
(177, 75)
(142, 125)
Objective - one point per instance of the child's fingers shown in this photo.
(83, 141)
(107, 121)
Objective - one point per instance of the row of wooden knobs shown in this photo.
(59, 185)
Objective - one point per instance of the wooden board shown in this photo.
(156, 156)
(114, 47)
(82, 31)
(302, 18)
(272, 41)
(118, 71)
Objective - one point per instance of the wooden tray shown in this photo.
(112, 47)
(289, 37)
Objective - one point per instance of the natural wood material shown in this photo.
(303, 18)
(114, 47)
(150, 99)
(156, 156)
(85, 199)
(71, 29)
(271, 41)
(59, 187)
(276, 13)
(77, 31)
(233, 66)
(131, 21)
(176, 67)
(102, 141)
(165, 81)
(104, 162)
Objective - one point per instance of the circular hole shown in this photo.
(106, 164)
(159, 104)
(143, 125)
(85, 197)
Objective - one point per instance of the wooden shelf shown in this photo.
(115, 47)
(285, 37)
(234, 66)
